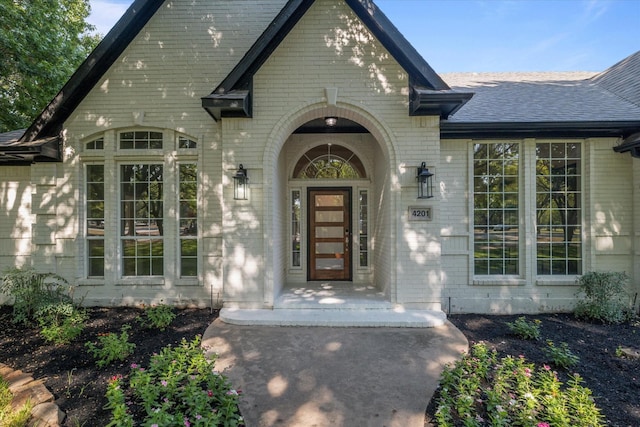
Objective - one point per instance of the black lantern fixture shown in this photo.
(240, 180)
(425, 182)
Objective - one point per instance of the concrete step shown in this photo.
(360, 317)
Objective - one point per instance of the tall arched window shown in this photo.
(329, 162)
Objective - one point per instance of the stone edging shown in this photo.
(45, 412)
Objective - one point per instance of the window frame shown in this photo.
(120, 237)
(198, 218)
(527, 217)
(503, 209)
(580, 222)
(87, 237)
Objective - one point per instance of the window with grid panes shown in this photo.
(142, 219)
(95, 220)
(496, 209)
(558, 209)
(188, 219)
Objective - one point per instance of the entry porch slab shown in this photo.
(334, 304)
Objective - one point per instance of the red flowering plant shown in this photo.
(179, 388)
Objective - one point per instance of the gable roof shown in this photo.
(429, 93)
(504, 105)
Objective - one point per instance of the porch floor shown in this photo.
(336, 304)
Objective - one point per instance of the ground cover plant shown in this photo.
(614, 380)
(483, 390)
(179, 387)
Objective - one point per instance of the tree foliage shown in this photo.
(42, 42)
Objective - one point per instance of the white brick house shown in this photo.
(125, 184)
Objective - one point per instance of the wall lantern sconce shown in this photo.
(240, 184)
(425, 182)
(330, 121)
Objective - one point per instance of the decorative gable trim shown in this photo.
(631, 145)
(430, 95)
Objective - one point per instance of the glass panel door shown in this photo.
(330, 236)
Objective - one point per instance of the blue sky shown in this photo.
(497, 35)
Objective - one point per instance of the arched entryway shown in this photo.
(332, 200)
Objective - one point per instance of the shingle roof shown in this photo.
(7, 138)
(540, 97)
(623, 78)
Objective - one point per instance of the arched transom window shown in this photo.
(329, 162)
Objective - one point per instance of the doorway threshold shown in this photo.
(325, 295)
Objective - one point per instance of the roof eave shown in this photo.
(42, 150)
(232, 104)
(425, 102)
(566, 129)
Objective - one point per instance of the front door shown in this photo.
(330, 234)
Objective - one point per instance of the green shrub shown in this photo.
(482, 390)
(157, 316)
(111, 347)
(179, 388)
(525, 329)
(32, 290)
(61, 323)
(605, 297)
(561, 356)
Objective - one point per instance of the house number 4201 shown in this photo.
(420, 213)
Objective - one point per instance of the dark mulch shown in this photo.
(69, 372)
(79, 387)
(614, 381)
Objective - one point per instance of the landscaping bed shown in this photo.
(79, 387)
(613, 378)
(70, 372)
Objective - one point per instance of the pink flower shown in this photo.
(164, 383)
(543, 425)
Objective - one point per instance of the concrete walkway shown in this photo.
(321, 376)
